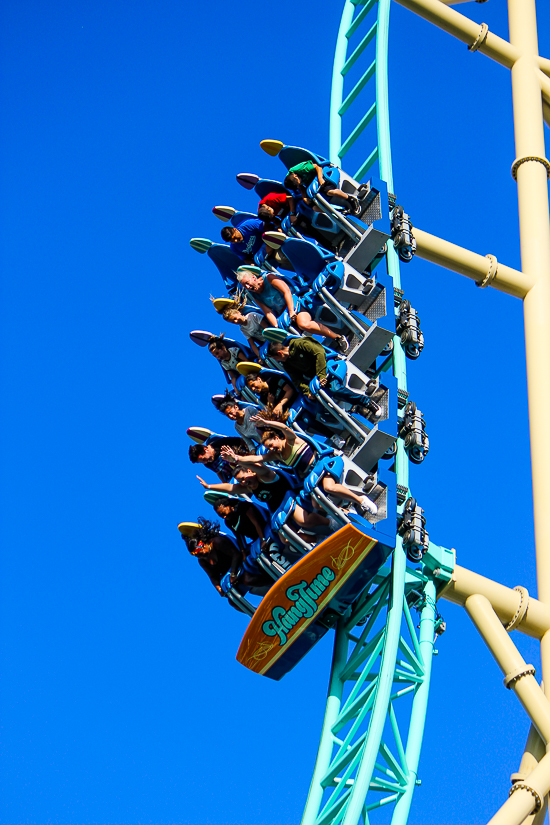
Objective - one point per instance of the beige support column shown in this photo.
(464, 29)
(534, 752)
(513, 607)
(481, 268)
(534, 222)
(518, 676)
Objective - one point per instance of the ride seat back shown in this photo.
(266, 187)
(226, 263)
(291, 155)
(308, 259)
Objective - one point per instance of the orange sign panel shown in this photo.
(299, 596)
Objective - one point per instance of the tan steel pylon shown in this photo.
(531, 169)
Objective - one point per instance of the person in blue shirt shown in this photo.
(246, 239)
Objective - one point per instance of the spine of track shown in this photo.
(350, 812)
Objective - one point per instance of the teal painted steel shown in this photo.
(335, 125)
(378, 693)
(420, 703)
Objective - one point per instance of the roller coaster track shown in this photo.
(374, 720)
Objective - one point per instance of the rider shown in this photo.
(300, 176)
(304, 359)
(286, 448)
(244, 519)
(246, 239)
(251, 324)
(209, 455)
(228, 357)
(241, 417)
(217, 554)
(273, 296)
(272, 389)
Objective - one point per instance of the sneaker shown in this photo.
(372, 411)
(337, 441)
(368, 506)
(341, 343)
(375, 410)
(374, 391)
(355, 206)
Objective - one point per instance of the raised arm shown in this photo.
(289, 434)
(224, 487)
(241, 460)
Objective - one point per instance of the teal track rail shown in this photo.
(367, 761)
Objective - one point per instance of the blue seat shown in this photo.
(291, 155)
(240, 217)
(308, 259)
(227, 263)
(265, 187)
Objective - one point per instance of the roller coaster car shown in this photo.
(365, 443)
(308, 599)
(365, 234)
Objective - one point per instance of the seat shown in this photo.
(308, 259)
(291, 155)
(241, 217)
(227, 263)
(365, 443)
(265, 187)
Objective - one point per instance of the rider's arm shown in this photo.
(279, 284)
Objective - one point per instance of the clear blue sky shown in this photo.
(123, 124)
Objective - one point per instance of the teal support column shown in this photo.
(420, 703)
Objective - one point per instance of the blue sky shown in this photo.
(123, 124)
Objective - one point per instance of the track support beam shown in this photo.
(464, 29)
(480, 268)
(505, 601)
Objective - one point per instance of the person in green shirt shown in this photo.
(305, 358)
(300, 176)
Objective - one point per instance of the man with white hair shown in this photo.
(273, 295)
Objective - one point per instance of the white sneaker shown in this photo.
(368, 506)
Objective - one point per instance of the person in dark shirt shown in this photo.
(216, 554)
(271, 488)
(272, 389)
(246, 239)
(243, 519)
(304, 359)
(209, 455)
